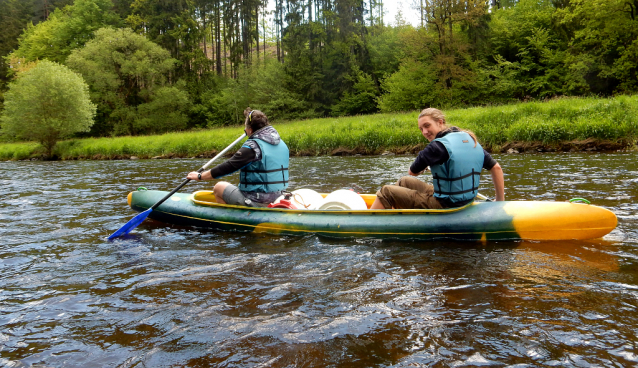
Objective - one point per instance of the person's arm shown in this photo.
(498, 181)
(417, 174)
(433, 154)
(241, 158)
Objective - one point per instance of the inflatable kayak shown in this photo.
(508, 220)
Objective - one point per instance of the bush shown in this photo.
(47, 103)
(361, 98)
(408, 89)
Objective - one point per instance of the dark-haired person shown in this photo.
(262, 162)
(455, 159)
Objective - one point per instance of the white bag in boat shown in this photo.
(304, 199)
(343, 199)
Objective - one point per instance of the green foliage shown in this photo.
(267, 88)
(386, 54)
(332, 57)
(499, 83)
(550, 122)
(174, 26)
(603, 50)
(262, 87)
(128, 76)
(66, 30)
(14, 16)
(528, 52)
(186, 144)
(46, 104)
(411, 88)
(166, 107)
(18, 151)
(360, 99)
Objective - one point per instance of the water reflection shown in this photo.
(178, 296)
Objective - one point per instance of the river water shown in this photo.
(181, 297)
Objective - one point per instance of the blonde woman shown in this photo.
(455, 158)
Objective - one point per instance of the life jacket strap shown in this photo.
(266, 171)
(461, 192)
(472, 174)
(474, 188)
(242, 179)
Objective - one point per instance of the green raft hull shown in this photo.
(508, 220)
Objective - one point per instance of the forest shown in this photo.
(172, 65)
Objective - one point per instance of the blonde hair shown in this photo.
(435, 114)
(438, 116)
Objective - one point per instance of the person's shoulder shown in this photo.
(251, 143)
(435, 147)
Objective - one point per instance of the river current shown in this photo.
(170, 296)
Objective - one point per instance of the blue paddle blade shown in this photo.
(132, 224)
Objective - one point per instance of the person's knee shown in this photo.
(402, 181)
(383, 195)
(218, 189)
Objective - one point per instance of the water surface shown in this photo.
(175, 296)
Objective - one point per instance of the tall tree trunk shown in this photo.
(203, 16)
(218, 38)
(257, 29)
(226, 38)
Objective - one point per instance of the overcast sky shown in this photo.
(409, 14)
(390, 8)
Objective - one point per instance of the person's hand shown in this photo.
(420, 172)
(193, 175)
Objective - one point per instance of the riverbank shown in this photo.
(566, 124)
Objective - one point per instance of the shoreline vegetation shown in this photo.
(558, 125)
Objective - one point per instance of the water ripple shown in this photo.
(170, 296)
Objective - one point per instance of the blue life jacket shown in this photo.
(270, 174)
(458, 178)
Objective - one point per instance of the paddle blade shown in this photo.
(132, 224)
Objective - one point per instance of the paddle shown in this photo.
(132, 224)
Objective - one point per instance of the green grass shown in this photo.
(171, 144)
(550, 122)
(18, 151)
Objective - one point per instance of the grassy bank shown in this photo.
(554, 125)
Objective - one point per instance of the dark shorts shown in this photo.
(232, 195)
(408, 192)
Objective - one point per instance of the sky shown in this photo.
(391, 8)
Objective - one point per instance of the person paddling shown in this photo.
(262, 162)
(455, 158)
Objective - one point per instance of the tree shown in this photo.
(65, 30)
(602, 55)
(47, 103)
(264, 87)
(128, 77)
(14, 16)
(527, 43)
(411, 88)
(362, 98)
